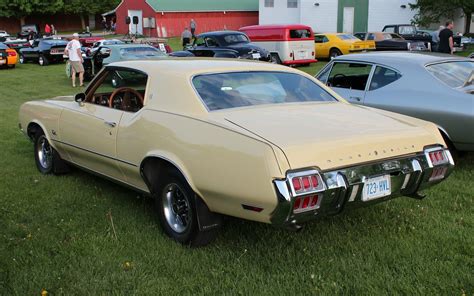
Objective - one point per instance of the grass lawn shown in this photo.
(80, 235)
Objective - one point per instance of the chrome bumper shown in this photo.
(408, 175)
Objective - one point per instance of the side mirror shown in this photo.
(104, 52)
(80, 98)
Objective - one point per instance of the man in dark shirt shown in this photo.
(446, 43)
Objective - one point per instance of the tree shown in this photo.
(431, 11)
(23, 8)
(88, 7)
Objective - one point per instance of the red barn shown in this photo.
(168, 18)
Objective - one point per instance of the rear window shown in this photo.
(55, 42)
(407, 30)
(298, 34)
(454, 74)
(347, 37)
(240, 89)
(236, 38)
(141, 52)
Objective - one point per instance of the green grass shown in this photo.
(56, 233)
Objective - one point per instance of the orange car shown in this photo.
(8, 56)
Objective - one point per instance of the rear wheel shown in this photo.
(275, 59)
(43, 61)
(176, 206)
(22, 59)
(334, 53)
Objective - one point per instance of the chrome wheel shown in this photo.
(41, 61)
(45, 153)
(22, 59)
(176, 208)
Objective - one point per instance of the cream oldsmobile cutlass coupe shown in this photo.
(252, 140)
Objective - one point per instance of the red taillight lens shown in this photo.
(12, 53)
(26, 44)
(314, 181)
(296, 184)
(297, 204)
(438, 173)
(314, 200)
(305, 202)
(306, 183)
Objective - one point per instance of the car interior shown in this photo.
(349, 75)
(119, 89)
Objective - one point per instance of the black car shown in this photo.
(29, 32)
(44, 51)
(17, 44)
(225, 44)
(409, 32)
(391, 41)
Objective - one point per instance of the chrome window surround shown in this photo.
(343, 187)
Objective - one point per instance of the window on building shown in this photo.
(292, 3)
(269, 3)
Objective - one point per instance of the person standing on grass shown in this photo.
(446, 42)
(73, 50)
(186, 37)
(192, 25)
(47, 30)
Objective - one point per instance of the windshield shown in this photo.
(236, 38)
(141, 52)
(347, 37)
(454, 74)
(407, 30)
(239, 89)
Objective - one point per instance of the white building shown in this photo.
(339, 15)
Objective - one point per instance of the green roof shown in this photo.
(203, 5)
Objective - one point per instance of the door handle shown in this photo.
(358, 99)
(110, 123)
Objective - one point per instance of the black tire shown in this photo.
(334, 53)
(22, 59)
(43, 61)
(176, 206)
(275, 59)
(46, 158)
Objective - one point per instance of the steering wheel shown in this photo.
(342, 82)
(126, 101)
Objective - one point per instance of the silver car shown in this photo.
(433, 87)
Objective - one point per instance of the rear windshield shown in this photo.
(454, 74)
(407, 30)
(303, 33)
(236, 38)
(141, 52)
(55, 42)
(240, 89)
(347, 37)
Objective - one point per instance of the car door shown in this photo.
(31, 52)
(350, 80)
(88, 130)
(322, 46)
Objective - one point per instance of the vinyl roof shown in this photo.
(203, 5)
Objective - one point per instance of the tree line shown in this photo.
(20, 9)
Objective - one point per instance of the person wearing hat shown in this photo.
(73, 51)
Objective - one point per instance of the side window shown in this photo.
(320, 39)
(389, 29)
(200, 42)
(371, 36)
(382, 77)
(211, 42)
(349, 75)
(119, 89)
(324, 75)
(361, 36)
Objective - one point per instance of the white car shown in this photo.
(105, 42)
(4, 34)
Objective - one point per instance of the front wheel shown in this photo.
(177, 213)
(275, 59)
(47, 159)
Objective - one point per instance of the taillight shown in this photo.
(11, 53)
(306, 203)
(307, 182)
(437, 157)
(438, 173)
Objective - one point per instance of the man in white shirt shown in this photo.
(73, 50)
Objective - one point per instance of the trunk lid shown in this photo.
(330, 135)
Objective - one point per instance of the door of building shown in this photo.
(136, 28)
(348, 20)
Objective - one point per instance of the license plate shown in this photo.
(376, 187)
(56, 52)
(302, 55)
(256, 55)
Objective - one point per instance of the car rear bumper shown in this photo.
(344, 187)
(299, 62)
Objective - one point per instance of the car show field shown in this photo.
(81, 234)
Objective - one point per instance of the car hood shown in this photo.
(330, 135)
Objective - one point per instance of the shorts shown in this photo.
(77, 66)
